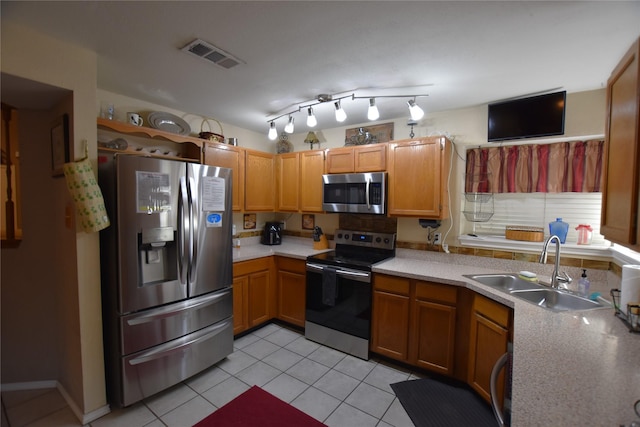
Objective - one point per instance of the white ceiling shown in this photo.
(459, 53)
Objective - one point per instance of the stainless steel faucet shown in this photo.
(556, 278)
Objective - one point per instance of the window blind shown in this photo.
(539, 209)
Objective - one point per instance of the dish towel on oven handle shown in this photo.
(329, 286)
(84, 189)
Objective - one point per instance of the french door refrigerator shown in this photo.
(166, 271)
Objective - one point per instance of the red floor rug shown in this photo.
(257, 408)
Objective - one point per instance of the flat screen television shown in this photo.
(531, 117)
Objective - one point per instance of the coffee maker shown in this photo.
(272, 234)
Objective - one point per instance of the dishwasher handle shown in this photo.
(502, 361)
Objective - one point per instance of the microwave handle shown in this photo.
(367, 193)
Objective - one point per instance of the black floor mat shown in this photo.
(431, 403)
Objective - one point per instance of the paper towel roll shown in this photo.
(630, 286)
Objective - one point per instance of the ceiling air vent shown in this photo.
(212, 54)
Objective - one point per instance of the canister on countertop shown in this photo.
(585, 234)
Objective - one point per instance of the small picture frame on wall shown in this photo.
(308, 221)
(249, 221)
(60, 150)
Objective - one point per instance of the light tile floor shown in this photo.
(338, 389)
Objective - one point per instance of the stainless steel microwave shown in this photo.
(355, 192)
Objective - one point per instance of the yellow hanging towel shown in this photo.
(87, 196)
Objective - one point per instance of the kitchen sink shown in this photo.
(555, 299)
(535, 293)
(505, 282)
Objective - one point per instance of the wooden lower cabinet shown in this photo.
(415, 322)
(390, 317)
(434, 327)
(253, 293)
(441, 328)
(489, 339)
(291, 290)
(240, 304)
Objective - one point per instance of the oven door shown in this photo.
(339, 299)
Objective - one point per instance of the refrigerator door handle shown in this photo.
(172, 311)
(184, 344)
(184, 229)
(193, 235)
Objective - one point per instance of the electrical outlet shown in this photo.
(437, 238)
(284, 225)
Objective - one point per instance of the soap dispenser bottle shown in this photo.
(559, 228)
(583, 284)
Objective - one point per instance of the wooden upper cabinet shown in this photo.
(228, 156)
(363, 158)
(370, 158)
(418, 172)
(288, 182)
(619, 221)
(259, 188)
(311, 170)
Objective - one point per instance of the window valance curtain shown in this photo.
(574, 166)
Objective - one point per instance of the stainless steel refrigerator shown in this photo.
(166, 269)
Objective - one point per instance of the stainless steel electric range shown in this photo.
(339, 290)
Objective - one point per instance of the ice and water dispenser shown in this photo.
(157, 255)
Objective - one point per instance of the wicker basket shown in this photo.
(527, 234)
(208, 135)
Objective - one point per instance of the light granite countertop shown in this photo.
(571, 368)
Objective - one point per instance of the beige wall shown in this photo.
(51, 283)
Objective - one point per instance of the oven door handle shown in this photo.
(341, 272)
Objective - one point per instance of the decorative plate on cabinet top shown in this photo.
(169, 123)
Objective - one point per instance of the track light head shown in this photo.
(416, 112)
(289, 126)
(311, 118)
(373, 113)
(273, 133)
(341, 116)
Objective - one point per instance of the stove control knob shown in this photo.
(346, 237)
(386, 240)
(378, 239)
(339, 235)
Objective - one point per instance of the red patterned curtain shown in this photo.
(544, 168)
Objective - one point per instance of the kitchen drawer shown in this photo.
(155, 326)
(492, 310)
(396, 285)
(436, 292)
(147, 372)
(247, 267)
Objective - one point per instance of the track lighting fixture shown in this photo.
(289, 127)
(373, 113)
(311, 118)
(416, 112)
(273, 133)
(341, 116)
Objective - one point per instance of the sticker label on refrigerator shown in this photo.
(153, 192)
(214, 219)
(213, 193)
